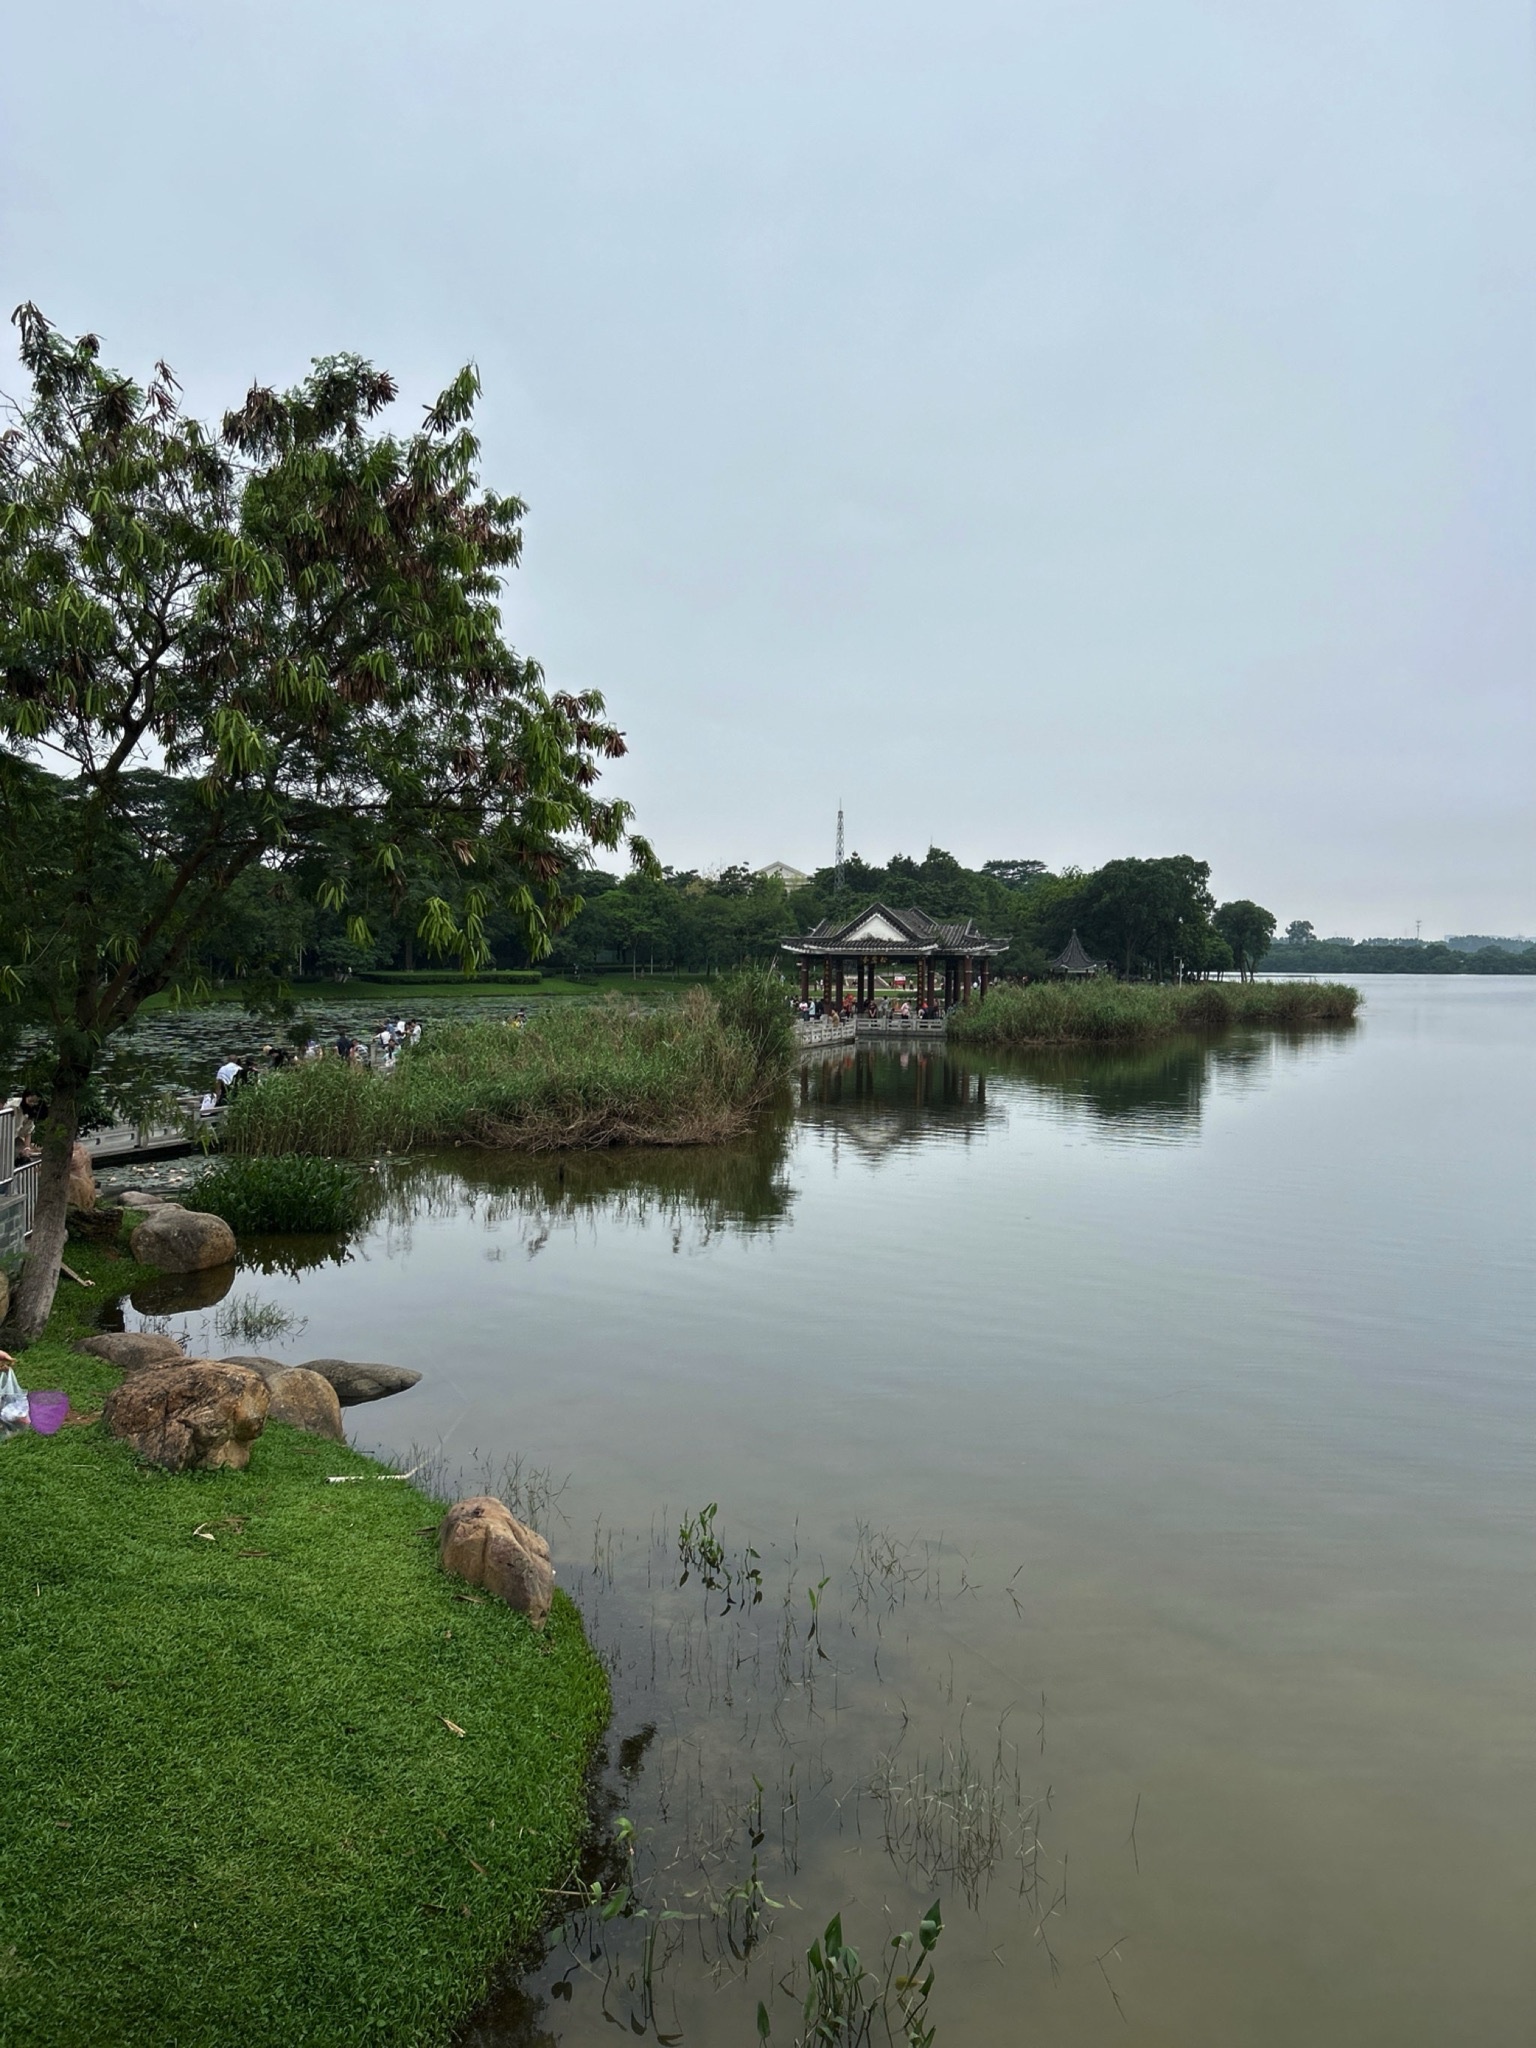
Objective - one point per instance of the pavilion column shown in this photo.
(826, 980)
(837, 985)
(985, 975)
(966, 997)
(805, 981)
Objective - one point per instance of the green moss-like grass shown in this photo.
(230, 1810)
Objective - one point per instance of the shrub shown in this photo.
(281, 1195)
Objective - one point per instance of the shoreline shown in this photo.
(234, 1805)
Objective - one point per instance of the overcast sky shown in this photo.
(1053, 430)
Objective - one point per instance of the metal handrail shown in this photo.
(24, 1183)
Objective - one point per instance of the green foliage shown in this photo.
(297, 616)
(601, 1074)
(1106, 1012)
(210, 1744)
(287, 1194)
(844, 2000)
(435, 978)
(1248, 929)
(1393, 956)
(1149, 918)
(751, 1003)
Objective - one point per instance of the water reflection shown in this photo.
(697, 1192)
(881, 1101)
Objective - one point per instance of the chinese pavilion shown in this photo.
(1072, 959)
(948, 955)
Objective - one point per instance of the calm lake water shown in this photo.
(1163, 1429)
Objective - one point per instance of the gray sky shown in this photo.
(1053, 429)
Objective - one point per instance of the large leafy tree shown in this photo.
(1148, 915)
(275, 644)
(1248, 929)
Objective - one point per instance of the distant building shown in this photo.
(781, 871)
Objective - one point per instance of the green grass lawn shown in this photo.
(230, 1808)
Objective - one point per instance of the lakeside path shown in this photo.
(231, 1808)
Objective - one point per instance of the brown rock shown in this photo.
(183, 1240)
(356, 1382)
(257, 1361)
(82, 1179)
(133, 1350)
(199, 1414)
(481, 1540)
(305, 1400)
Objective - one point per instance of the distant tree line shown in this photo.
(1144, 919)
(1301, 951)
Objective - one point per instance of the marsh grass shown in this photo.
(1106, 1012)
(610, 1073)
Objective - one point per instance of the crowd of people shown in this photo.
(889, 1009)
(379, 1048)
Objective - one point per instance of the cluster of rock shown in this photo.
(185, 1412)
(204, 1414)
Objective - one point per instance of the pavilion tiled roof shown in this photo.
(879, 930)
(1072, 959)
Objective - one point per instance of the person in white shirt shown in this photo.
(227, 1073)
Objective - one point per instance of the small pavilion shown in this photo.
(948, 956)
(1072, 959)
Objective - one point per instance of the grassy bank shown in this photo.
(1105, 1012)
(690, 1073)
(230, 1810)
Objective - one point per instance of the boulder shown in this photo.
(133, 1350)
(481, 1540)
(82, 1178)
(178, 1240)
(198, 1415)
(354, 1382)
(256, 1361)
(305, 1400)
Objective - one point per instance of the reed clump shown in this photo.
(1105, 1012)
(608, 1074)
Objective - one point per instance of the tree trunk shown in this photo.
(45, 1248)
(410, 952)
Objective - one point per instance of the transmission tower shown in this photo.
(837, 865)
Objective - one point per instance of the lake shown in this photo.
(1123, 1481)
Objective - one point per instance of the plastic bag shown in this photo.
(13, 1403)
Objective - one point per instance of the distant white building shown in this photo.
(781, 871)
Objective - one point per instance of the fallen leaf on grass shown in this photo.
(452, 1726)
(470, 1599)
(206, 1533)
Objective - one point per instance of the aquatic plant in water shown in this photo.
(274, 1196)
